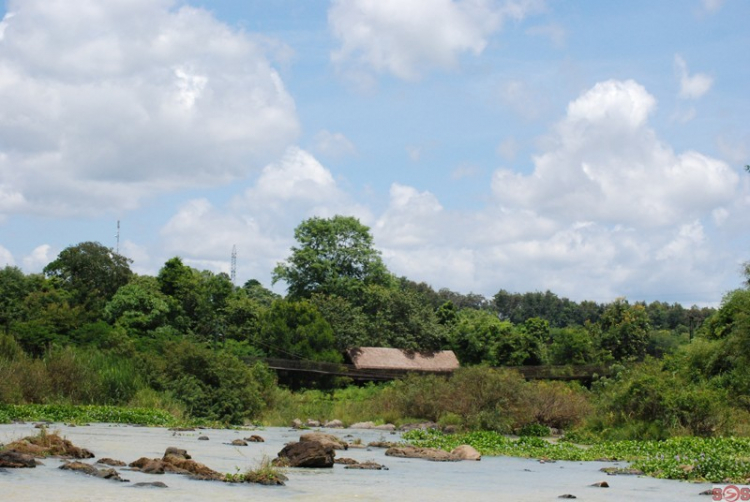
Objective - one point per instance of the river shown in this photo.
(491, 479)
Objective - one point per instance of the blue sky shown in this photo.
(595, 149)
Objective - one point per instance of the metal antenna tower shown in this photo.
(118, 237)
(233, 267)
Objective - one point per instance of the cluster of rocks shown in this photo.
(24, 453)
(313, 450)
(317, 449)
(244, 442)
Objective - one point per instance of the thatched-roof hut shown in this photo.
(380, 358)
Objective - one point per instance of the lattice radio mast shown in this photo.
(233, 267)
(117, 249)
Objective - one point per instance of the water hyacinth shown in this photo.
(687, 458)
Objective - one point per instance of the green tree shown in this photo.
(296, 330)
(624, 330)
(400, 318)
(475, 336)
(572, 345)
(92, 274)
(348, 321)
(13, 290)
(333, 256)
(139, 306)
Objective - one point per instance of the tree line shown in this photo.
(184, 333)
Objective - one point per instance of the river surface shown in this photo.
(491, 479)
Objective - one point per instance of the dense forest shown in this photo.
(90, 331)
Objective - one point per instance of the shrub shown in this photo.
(557, 404)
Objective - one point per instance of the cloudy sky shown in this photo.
(595, 149)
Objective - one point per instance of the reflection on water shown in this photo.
(493, 478)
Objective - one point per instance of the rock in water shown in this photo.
(325, 439)
(425, 453)
(306, 454)
(176, 452)
(152, 484)
(92, 471)
(466, 452)
(14, 459)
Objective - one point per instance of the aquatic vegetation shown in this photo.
(85, 413)
(265, 473)
(688, 458)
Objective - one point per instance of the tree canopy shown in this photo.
(91, 272)
(333, 256)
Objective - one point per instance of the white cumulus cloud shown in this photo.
(105, 103)
(407, 38)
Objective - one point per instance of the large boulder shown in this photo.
(334, 424)
(466, 452)
(325, 439)
(306, 454)
(424, 453)
(14, 459)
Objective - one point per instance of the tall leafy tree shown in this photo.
(624, 330)
(333, 256)
(91, 272)
(13, 290)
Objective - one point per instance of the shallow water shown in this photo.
(493, 478)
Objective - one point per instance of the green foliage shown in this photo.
(485, 398)
(334, 256)
(139, 306)
(212, 385)
(350, 405)
(696, 459)
(733, 313)
(534, 430)
(84, 414)
(646, 401)
(398, 317)
(475, 336)
(351, 327)
(13, 289)
(296, 330)
(91, 272)
(572, 345)
(624, 330)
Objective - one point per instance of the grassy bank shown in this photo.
(80, 414)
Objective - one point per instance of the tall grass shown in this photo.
(68, 375)
(350, 405)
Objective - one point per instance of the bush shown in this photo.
(646, 402)
(212, 385)
(557, 404)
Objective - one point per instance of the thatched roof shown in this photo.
(397, 359)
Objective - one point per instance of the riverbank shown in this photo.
(492, 478)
